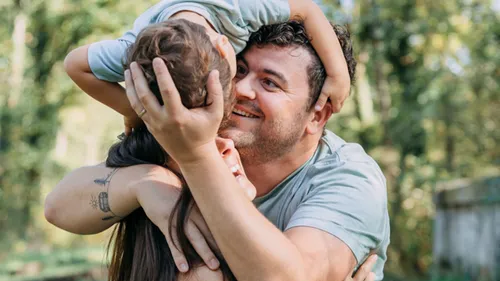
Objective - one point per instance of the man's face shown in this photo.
(272, 91)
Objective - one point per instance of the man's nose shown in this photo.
(244, 89)
(225, 146)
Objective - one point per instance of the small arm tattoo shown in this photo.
(93, 202)
(102, 200)
(105, 181)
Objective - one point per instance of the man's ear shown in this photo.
(221, 44)
(319, 119)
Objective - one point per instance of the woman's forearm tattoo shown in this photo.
(102, 200)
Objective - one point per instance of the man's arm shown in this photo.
(254, 248)
(91, 199)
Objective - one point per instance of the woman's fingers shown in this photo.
(364, 272)
(139, 94)
(247, 186)
(231, 158)
(174, 245)
(131, 94)
(215, 96)
(200, 244)
(171, 97)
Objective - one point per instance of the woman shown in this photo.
(140, 250)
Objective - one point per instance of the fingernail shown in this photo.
(216, 73)
(214, 263)
(250, 193)
(183, 267)
(239, 178)
(127, 73)
(235, 168)
(317, 107)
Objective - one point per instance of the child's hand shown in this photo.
(131, 122)
(337, 91)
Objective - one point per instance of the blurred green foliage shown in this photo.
(425, 105)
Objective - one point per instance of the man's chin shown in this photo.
(238, 136)
(228, 132)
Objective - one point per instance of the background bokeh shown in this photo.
(425, 106)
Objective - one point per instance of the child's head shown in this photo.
(189, 55)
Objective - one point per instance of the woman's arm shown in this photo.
(91, 199)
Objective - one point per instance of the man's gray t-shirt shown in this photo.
(233, 18)
(340, 190)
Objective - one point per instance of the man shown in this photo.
(321, 206)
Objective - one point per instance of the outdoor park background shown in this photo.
(425, 106)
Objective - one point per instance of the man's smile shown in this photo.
(244, 114)
(240, 111)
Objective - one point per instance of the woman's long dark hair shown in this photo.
(140, 250)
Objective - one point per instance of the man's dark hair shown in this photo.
(293, 33)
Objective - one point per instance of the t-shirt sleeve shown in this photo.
(348, 201)
(106, 58)
(263, 12)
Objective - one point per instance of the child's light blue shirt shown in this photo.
(233, 18)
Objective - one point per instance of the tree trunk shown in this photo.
(364, 99)
(384, 96)
(18, 58)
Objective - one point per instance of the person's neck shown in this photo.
(266, 176)
(196, 18)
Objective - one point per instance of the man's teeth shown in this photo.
(243, 113)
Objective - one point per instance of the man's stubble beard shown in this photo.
(265, 144)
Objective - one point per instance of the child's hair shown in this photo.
(189, 55)
(140, 250)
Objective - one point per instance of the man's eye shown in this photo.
(240, 70)
(269, 83)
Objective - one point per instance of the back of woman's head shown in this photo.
(140, 250)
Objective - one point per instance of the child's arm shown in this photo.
(111, 94)
(326, 44)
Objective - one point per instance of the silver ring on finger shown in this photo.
(143, 111)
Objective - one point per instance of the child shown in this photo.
(96, 68)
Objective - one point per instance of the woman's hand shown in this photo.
(232, 159)
(364, 272)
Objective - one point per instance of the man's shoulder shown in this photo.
(333, 150)
(338, 163)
